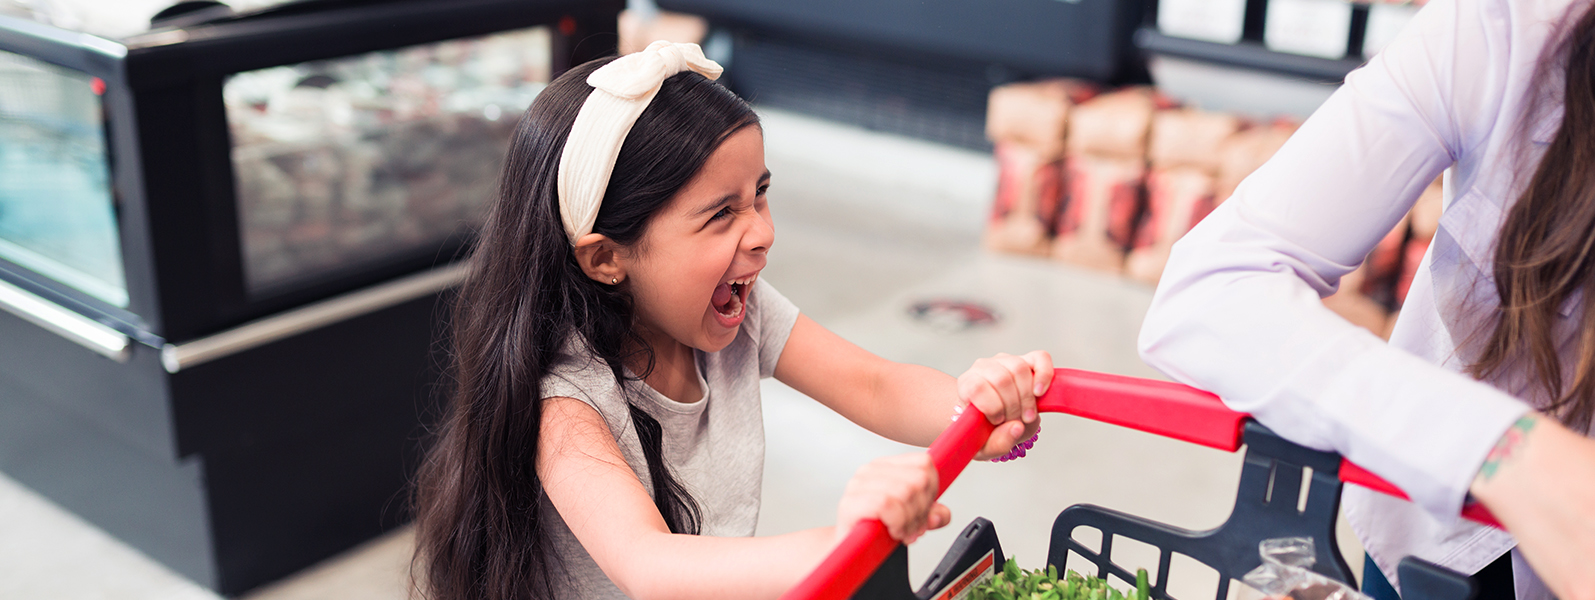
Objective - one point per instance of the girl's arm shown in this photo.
(611, 514)
(911, 403)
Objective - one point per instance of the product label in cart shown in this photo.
(960, 588)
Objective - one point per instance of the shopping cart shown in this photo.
(870, 565)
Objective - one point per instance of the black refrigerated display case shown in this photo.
(225, 247)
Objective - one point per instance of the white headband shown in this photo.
(621, 90)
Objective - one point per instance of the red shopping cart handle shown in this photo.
(868, 544)
(1350, 472)
(1167, 409)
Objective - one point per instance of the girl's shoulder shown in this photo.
(578, 373)
(588, 379)
(771, 317)
(768, 309)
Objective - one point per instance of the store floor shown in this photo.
(867, 225)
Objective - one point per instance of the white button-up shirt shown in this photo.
(1238, 310)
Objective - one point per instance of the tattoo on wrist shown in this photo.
(1507, 447)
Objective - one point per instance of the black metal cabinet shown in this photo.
(915, 67)
(1076, 38)
(224, 249)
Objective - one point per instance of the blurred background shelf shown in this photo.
(1246, 54)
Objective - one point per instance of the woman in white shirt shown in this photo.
(1487, 385)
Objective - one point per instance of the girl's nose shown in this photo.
(760, 235)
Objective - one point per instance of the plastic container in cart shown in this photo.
(870, 565)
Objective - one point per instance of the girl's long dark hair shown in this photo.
(1545, 255)
(479, 521)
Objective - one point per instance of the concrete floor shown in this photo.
(867, 224)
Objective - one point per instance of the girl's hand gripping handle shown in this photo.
(868, 544)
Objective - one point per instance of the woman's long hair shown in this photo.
(479, 522)
(1545, 255)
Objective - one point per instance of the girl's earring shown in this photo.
(613, 281)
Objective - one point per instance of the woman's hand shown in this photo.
(1539, 481)
(1005, 387)
(898, 490)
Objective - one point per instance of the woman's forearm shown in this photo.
(1237, 314)
(1537, 481)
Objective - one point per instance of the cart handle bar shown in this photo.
(1167, 409)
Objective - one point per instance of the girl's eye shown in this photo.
(763, 189)
(721, 214)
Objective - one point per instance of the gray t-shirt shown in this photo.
(714, 447)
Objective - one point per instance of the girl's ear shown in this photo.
(598, 257)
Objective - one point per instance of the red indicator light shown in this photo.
(567, 25)
(97, 85)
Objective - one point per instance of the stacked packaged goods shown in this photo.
(1026, 123)
(1247, 150)
(1352, 302)
(1181, 187)
(1111, 181)
(1104, 166)
(1424, 220)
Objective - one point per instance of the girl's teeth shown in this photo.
(727, 299)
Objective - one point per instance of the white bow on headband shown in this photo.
(621, 90)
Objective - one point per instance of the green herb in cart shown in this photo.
(1014, 583)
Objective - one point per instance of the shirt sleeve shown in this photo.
(775, 316)
(1238, 311)
(576, 373)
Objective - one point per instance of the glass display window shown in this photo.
(342, 162)
(57, 211)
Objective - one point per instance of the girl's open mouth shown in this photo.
(731, 297)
